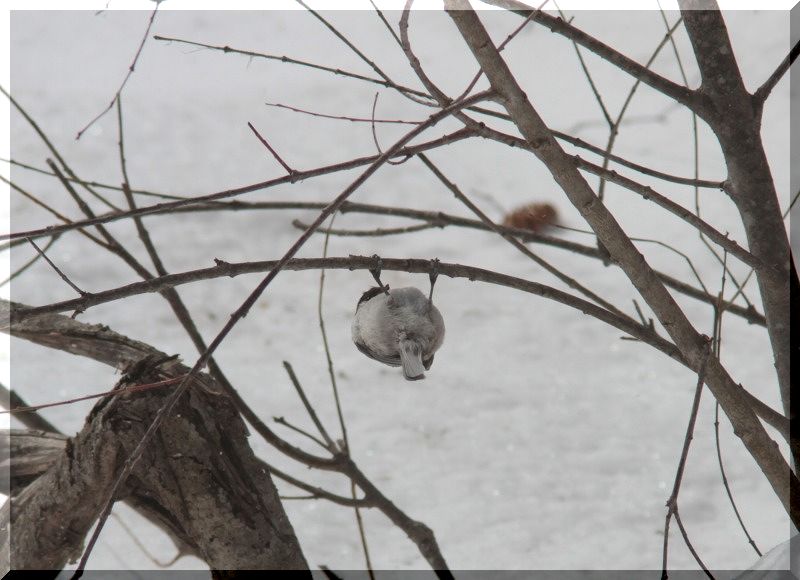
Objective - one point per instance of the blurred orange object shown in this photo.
(535, 217)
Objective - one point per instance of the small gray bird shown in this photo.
(400, 327)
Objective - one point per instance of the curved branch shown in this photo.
(17, 315)
(187, 202)
(648, 193)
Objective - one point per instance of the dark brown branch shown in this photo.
(572, 283)
(54, 151)
(274, 153)
(58, 271)
(705, 183)
(298, 176)
(441, 220)
(285, 59)
(149, 510)
(690, 342)
(626, 325)
(646, 192)
(30, 262)
(690, 546)
(343, 117)
(372, 233)
(763, 92)
(112, 245)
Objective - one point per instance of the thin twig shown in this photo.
(690, 546)
(131, 68)
(375, 138)
(345, 40)
(342, 117)
(112, 245)
(116, 391)
(285, 59)
(61, 274)
(646, 192)
(719, 310)
(296, 429)
(331, 446)
(317, 492)
(616, 124)
(386, 23)
(332, 375)
(761, 94)
(49, 144)
(406, 90)
(84, 182)
(31, 420)
(30, 262)
(373, 233)
(597, 96)
(277, 157)
(672, 502)
(704, 183)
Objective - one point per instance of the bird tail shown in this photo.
(411, 360)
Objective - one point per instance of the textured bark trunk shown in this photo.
(199, 473)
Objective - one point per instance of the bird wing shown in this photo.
(387, 360)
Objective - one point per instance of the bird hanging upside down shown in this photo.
(400, 327)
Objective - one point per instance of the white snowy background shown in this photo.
(539, 439)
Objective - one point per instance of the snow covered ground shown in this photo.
(539, 440)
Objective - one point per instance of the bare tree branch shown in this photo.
(763, 92)
(688, 340)
(298, 176)
(681, 94)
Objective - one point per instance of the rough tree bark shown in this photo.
(199, 476)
